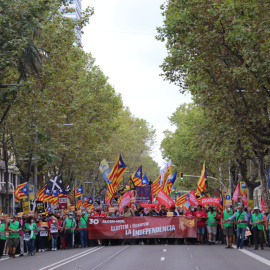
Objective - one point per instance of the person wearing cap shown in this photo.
(83, 229)
(241, 219)
(69, 225)
(257, 223)
(3, 238)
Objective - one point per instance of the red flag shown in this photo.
(262, 204)
(125, 201)
(236, 194)
(244, 198)
(164, 199)
(210, 201)
(192, 198)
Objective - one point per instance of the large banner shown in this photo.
(142, 227)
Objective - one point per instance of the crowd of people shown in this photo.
(40, 232)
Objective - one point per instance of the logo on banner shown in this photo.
(184, 222)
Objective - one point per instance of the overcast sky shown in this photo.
(121, 36)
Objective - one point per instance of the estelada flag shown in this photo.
(78, 191)
(236, 194)
(145, 181)
(21, 192)
(244, 198)
(137, 177)
(116, 175)
(170, 182)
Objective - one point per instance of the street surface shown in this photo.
(139, 257)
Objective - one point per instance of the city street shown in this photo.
(144, 257)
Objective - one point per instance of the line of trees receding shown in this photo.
(219, 52)
(57, 106)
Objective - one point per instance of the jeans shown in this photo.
(31, 245)
(240, 231)
(68, 238)
(83, 237)
(54, 240)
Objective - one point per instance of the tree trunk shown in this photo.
(264, 180)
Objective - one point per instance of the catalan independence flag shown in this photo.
(116, 175)
(137, 177)
(54, 198)
(145, 181)
(78, 191)
(89, 203)
(170, 182)
(202, 183)
(181, 200)
(21, 192)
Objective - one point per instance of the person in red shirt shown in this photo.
(189, 212)
(201, 218)
(99, 213)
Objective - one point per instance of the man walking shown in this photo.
(241, 223)
(257, 223)
(227, 226)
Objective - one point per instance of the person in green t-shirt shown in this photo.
(14, 229)
(257, 223)
(241, 221)
(82, 225)
(227, 226)
(30, 229)
(2, 235)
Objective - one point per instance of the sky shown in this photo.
(121, 37)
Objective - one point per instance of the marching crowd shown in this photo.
(40, 232)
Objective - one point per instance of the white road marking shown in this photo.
(164, 250)
(254, 256)
(197, 267)
(162, 258)
(7, 257)
(69, 259)
(191, 256)
(113, 256)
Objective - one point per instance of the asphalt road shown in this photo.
(142, 257)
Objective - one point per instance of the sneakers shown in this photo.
(32, 254)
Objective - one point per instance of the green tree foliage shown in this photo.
(218, 50)
(70, 88)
